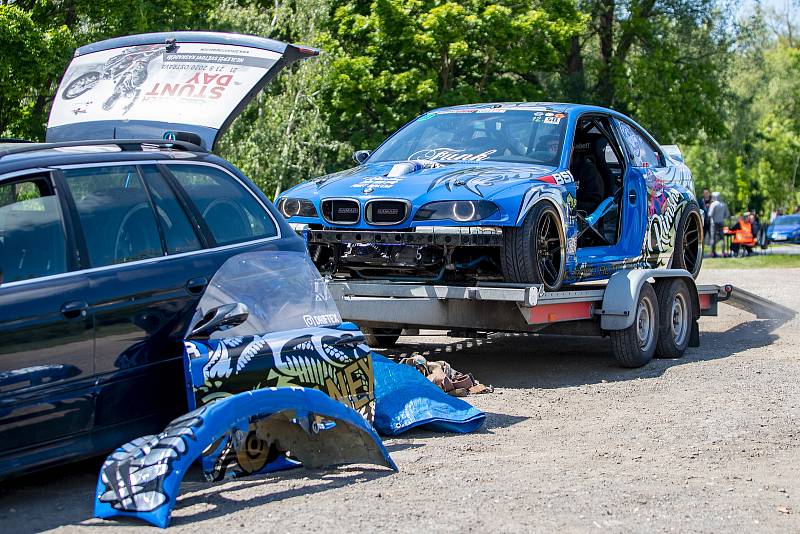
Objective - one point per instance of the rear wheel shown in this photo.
(688, 253)
(634, 346)
(381, 338)
(534, 253)
(675, 318)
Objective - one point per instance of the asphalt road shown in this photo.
(707, 443)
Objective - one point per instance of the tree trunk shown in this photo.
(604, 18)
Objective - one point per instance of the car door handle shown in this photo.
(632, 196)
(74, 309)
(195, 286)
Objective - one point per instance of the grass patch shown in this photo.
(770, 261)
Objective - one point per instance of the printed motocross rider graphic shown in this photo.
(128, 70)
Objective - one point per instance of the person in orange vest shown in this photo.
(743, 239)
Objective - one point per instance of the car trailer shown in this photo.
(645, 312)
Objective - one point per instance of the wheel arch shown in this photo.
(622, 294)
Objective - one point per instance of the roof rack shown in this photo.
(125, 145)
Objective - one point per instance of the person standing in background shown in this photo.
(718, 213)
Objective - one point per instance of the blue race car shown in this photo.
(537, 193)
(784, 229)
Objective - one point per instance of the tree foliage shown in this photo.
(728, 92)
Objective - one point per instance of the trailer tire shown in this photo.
(688, 252)
(381, 338)
(634, 346)
(674, 318)
(534, 253)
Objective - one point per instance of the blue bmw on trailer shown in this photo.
(539, 193)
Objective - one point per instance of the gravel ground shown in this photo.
(707, 443)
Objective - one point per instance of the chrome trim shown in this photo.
(401, 200)
(137, 262)
(147, 260)
(349, 199)
(17, 174)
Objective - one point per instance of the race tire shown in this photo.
(688, 253)
(674, 318)
(534, 253)
(381, 338)
(634, 346)
(80, 85)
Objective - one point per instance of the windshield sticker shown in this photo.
(450, 154)
(469, 110)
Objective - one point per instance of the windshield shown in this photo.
(479, 134)
(281, 289)
(788, 219)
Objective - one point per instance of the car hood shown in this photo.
(187, 86)
(411, 180)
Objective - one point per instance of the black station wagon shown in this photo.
(110, 231)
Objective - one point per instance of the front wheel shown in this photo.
(534, 253)
(688, 253)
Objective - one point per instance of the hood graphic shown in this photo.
(416, 178)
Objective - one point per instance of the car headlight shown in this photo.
(296, 207)
(456, 210)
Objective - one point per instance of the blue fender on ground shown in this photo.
(404, 399)
(141, 479)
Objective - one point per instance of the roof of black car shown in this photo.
(15, 155)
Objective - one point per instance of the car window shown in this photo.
(230, 211)
(115, 214)
(479, 134)
(642, 152)
(178, 232)
(32, 242)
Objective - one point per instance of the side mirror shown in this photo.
(361, 156)
(220, 318)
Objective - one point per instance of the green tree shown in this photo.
(393, 59)
(33, 60)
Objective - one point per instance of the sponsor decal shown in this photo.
(450, 154)
(377, 182)
(660, 226)
(325, 319)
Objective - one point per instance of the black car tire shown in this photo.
(634, 346)
(534, 253)
(674, 318)
(381, 338)
(688, 253)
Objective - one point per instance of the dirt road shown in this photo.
(707, 443)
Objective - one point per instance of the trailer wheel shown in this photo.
(381, 338)
(534, 253)
(634, 346)
(688, 253)
(675, 318)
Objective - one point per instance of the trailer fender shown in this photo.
(622, 294)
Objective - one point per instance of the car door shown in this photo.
(46, 342)
(640, 186)
(145, 277)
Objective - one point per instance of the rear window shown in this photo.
(229, 209)
(32, 242)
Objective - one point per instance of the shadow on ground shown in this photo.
(546, 361)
